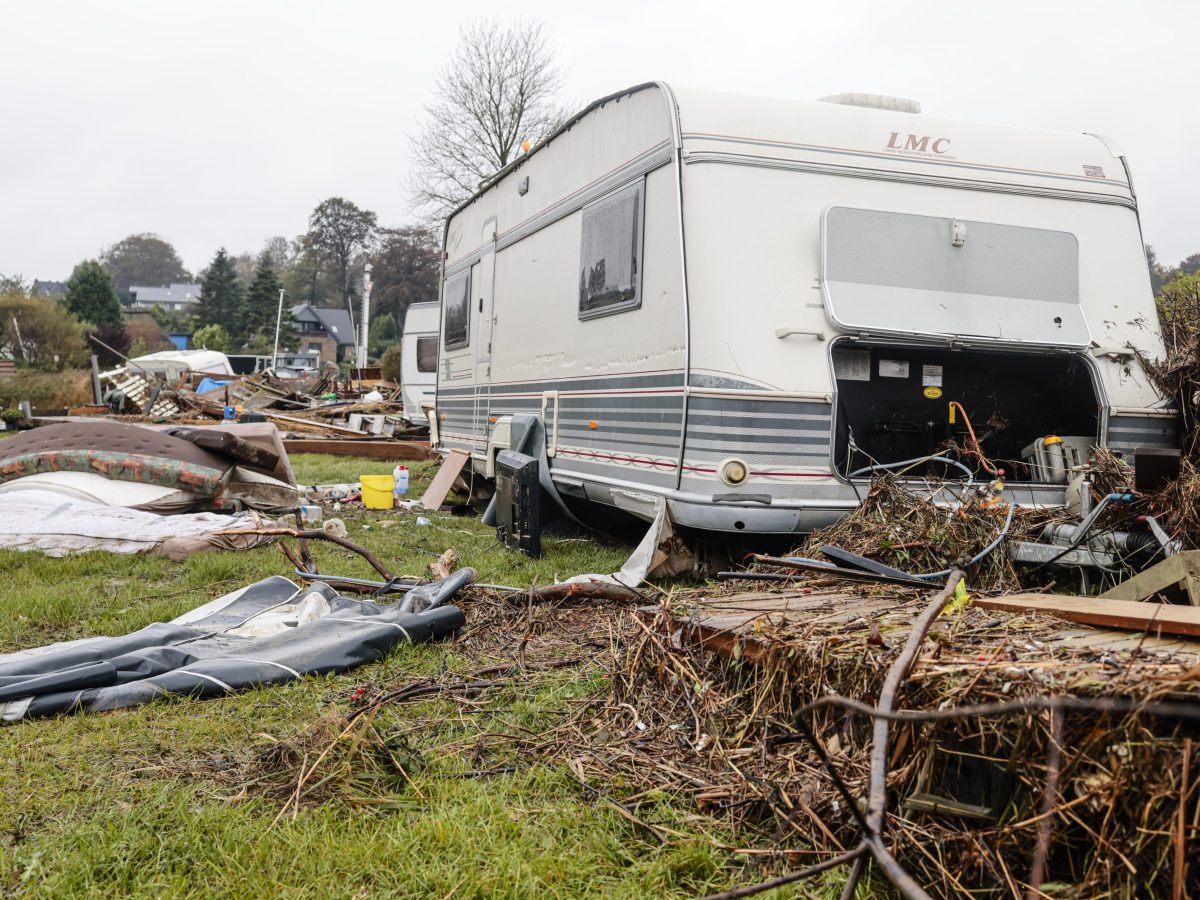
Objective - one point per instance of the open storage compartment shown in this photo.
(894, 403)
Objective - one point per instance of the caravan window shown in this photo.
(426, 354)
(610, 255)
(457, 311)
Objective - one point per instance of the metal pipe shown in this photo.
(278, 322)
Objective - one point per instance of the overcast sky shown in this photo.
(223, 123)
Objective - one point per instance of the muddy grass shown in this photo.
(188, 798)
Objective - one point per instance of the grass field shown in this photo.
(159, 801)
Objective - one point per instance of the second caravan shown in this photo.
(418, 360)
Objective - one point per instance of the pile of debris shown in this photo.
(912, 534)
(1024, 752)
(1031, 751)
(102, 485)
(320, 406)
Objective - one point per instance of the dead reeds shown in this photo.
(912, 533)
(977, 805)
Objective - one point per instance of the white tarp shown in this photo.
(95, 488)
(59, 526)
(658, 554)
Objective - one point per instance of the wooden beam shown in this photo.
(1153, 618)
(414, 450)
(307, 423)
(1182, 567)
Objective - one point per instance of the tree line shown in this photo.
(495, 98)
(239, 294)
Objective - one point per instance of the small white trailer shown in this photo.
(418, 359)
(741, 304)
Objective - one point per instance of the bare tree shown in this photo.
(497, 91)
(338, 231)
(407, 267)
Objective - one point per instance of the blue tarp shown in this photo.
(209, 384)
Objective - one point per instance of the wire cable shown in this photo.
(1012, 508)
(915, 461)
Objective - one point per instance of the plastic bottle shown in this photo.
(400, 473)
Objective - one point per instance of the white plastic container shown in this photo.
(400, 473)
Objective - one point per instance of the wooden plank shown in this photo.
(308, 423)
(414, 450)
(1169, 572)
(436, 493)
(763, 603)
(1155, 618)
(737, 613)
(1123, 641)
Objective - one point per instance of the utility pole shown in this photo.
(364, 319)
(278, 321)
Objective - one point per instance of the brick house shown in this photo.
(327, 331)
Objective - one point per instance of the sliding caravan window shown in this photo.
(426, 354)
(456, 308)
(610, 254)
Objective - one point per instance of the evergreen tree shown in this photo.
(383, 334)
(262, 306)
(222, 296)
(91, 296)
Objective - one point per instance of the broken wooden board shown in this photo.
(759, 625)
(1182, 567)
(756, 621)
(387, 450)
(308, 424)
(1152, 618)
(436, 493)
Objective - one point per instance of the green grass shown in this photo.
(146, 802)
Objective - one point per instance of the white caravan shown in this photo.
(418, 359)
(739, 304)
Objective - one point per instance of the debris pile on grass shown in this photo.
(1176, 504)
(647, 713)
(966, 796)
(911, 533)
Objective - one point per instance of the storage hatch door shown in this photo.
(894, 273)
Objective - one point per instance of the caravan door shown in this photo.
(483, 288)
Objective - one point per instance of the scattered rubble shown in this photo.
(321, 405)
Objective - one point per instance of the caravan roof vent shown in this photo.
(875, 101)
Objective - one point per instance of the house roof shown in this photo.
(48, 288)
(173, 293)
(335, 322)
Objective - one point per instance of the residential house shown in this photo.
(173, 298)
(328, 332)
(51, 289)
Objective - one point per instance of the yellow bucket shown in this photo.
(377, 490)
